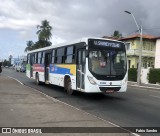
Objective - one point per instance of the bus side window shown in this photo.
(60, 54)
(36, 58)
(69, 55)
(43, 56)
(53, 56)
(32, 59)
(39, 57)
(28, 59)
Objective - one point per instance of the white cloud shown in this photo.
(73, 19)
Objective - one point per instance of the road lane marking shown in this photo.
(155, 96)
(16, 80)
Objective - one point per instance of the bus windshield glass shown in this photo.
(108, 62)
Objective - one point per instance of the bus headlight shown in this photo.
(124, 82)
(91, 80)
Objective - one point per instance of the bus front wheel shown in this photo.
(68, 86)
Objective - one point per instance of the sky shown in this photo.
(72, 19)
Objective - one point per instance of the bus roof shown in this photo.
(85, 39)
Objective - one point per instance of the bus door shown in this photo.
(32, 59)
(47, 63)
(81, 63)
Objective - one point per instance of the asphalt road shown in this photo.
(136, 108)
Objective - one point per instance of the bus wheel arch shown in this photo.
(68, 85)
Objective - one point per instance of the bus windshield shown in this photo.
(107, 62)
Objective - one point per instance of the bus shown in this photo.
(91, 65)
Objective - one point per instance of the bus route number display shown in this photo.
(107, 44)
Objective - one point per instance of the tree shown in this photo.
(6, 63)
(117, 34)
(30, 45)
(44, 32)
(41, 44)
(10, 58)
(44, 35)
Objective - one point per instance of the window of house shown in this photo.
(149, 64)
(129, 63)
(151, 48)
(144, 47)
(145, 64)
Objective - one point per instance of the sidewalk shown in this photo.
(149, 86)
(21, 106)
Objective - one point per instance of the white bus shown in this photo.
(92, 65)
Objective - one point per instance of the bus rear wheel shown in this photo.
(68, 86)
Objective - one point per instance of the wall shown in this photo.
(157, 54)
(133, 61)
(144, 75)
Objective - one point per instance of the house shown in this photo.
(148, 50)
(133, 46)
(157, 53)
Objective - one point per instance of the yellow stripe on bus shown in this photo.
(72, 67)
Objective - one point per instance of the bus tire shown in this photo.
(37, 79)
(68, 86)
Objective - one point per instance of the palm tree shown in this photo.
(117, 34)
(44, 32)
(29, 47)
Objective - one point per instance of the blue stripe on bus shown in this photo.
(59, 70)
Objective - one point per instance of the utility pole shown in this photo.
(140, 49)
(140, 59)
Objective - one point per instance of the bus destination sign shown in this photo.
(107, 44)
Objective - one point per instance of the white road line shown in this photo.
(16, 80)
(155, 96)
(145, 87)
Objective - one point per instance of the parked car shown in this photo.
(17, 67)
(23, 68)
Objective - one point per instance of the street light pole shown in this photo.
(140, 49)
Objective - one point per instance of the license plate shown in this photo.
(109, 91)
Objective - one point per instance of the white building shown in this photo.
(20, 59)
(157, 53)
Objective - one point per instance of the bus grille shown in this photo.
(105, 89)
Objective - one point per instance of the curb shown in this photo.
(146, 87)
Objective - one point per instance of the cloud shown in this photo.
(73, 19)
(76, 18)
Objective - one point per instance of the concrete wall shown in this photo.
(144, 75)
(157, 54)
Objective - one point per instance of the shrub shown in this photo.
(154, 76)
(132, 74)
